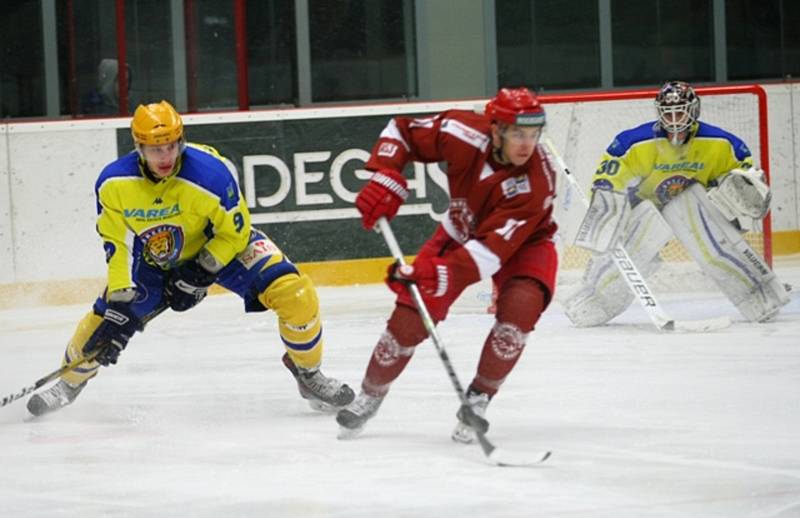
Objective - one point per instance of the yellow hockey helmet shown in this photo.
(156, 124)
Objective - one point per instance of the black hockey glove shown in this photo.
(112, 335)
(188, 285)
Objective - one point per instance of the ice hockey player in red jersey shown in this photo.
(498, 224)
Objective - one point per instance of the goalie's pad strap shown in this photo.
(724, 255)
(603, 222)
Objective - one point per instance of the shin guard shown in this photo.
(86, 327)
(393, 351)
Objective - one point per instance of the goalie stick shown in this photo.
(495, 455)
(630, 273)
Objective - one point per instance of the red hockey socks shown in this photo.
(394, 349)
(519, 304)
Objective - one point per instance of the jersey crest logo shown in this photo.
(461, 218)
(162, 245)
(387, 149)
(516, 185)
(671, 187)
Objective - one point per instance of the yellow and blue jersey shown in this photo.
(644, 163)
(165, 222)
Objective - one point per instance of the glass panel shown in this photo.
(87, 52)
(271, 54)
(211, 54)
(791, 38)
(359, 49)
(658, 40)
(547, 43)
(754, 38)
(22, 92)
(148, 37)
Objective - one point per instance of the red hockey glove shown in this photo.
(381, 197)
(432, 275)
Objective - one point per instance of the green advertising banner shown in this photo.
(300, 179)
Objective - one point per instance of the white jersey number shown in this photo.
(508, 229)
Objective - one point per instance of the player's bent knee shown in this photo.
(521, 301)
(293, 297)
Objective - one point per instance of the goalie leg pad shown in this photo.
(294, 299)
(725, 256)
(604, 294)
(86, 328)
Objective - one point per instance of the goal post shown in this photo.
(582, 125)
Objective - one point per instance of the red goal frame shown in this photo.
(650, 93)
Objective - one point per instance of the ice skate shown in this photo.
(323, 394)
(59, 395)
(353, 418)
(472, 418)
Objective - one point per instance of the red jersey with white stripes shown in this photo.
(494, 208)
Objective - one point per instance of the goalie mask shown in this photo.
(678, 107)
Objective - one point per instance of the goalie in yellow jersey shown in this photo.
(173, 222)
(675, 175)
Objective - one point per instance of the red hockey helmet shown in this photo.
(516, 106)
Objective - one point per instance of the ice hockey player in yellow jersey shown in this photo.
(676, 176)
(173, 222)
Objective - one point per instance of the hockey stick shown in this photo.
(68, 367)
(498, 457)
(634, 278)
(45, 380)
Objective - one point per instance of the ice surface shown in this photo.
(200, 418)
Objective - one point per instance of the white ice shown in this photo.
(200, 418)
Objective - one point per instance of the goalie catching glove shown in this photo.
(381, 197)
(604, 220)
(742, 196)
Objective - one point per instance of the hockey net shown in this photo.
(583, 125)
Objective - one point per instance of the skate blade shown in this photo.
(346, 434)
(321, 406)
(463, 438)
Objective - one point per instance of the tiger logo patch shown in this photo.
(163, 245)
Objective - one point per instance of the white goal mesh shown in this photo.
(582, 126)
